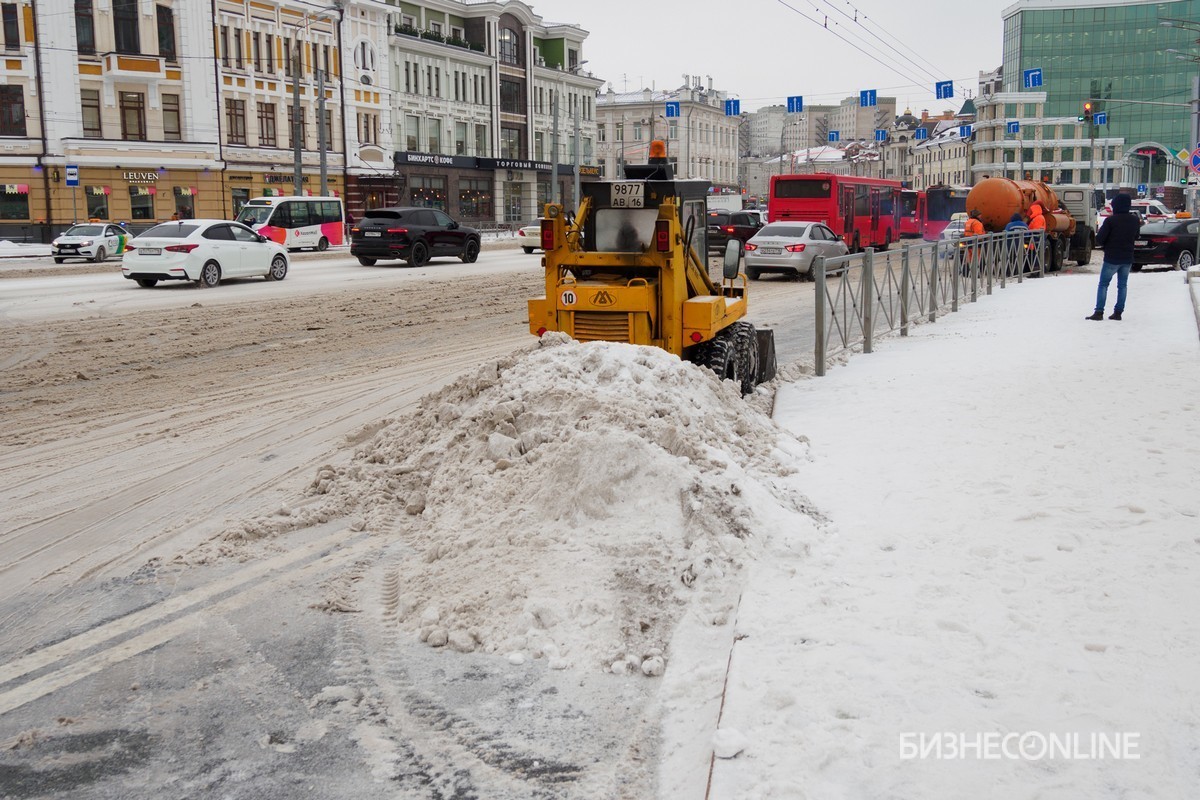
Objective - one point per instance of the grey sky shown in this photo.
(762, 51)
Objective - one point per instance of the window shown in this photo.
(287, 58)
(572, 60)
(266, 125)
(97, 201)
(435, 27)
(481, 141)
(460, 138)
(510, 96)
(601, 135)
(172, 121)
(13, 204)
(185, 202)
(240, 198)
(329, 143)
(412, 133)
(510, 143)
(12, 30)
(125, 26)
(89, 104)
(219, 233)
(141, 202)
(434, 129)
(637, 131)
(509, 51)
(256, 51)
(297, 136)
(166, 33)
(429, 192)
(239, 54)
(133, 116)
(85, 28)
(475, 198)
(225, 45)
(539, 146)
(235, 121)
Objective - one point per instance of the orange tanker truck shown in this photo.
(997, 199)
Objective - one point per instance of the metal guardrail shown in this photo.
(884, 291)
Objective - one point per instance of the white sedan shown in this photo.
(94, 241)
(202, 250)
(530, 237)
(790, 248)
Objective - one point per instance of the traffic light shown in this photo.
(1087, 111)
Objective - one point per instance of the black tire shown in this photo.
(101, 255)
(366, 262)
(745, 349)
(752, 273)
(58, 261)
(1185, 260)
(278, 270)
(470, 252)
(887, 242)
(210, 275)
(718, 355)
(322, 245)
(418, 256)
(147, 283)
(1136, 268)
(528, 250)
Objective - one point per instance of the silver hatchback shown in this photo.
(791, 248)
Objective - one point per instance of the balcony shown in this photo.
(133, 66)
(437, 38)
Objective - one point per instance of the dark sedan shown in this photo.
(414, 235)
(1171, 243)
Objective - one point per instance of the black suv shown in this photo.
(414, 235)
(726, 225)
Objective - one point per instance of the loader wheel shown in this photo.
(719, 355)
(745, 349)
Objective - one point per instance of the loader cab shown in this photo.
(623, 212)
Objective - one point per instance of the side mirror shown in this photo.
(453, 225)
(261, 239)
(733, 257)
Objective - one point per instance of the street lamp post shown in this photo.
(782, 132)
(297, 121)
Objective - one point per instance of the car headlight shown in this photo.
(88, 243)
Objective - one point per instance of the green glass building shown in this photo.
(1117, 55)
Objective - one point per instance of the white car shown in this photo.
(790, 248)
(202, 250)
(92, 241)
(530, 237)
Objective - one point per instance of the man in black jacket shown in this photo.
(1116, 238)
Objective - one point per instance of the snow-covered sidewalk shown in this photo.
(1009, 564)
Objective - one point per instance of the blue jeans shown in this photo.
(1106, 275)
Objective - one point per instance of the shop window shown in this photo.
(12, 30)
(426, 191)
(166, 33)
(185, 202)
(544, 193)
(475, 198)
(89, 104)
(12, 110)
(141, 202)
(266, 125)
(125, 26)
(513, 208)
(172, 120)
(235, 121)
(85, 28)
(133, 116)
(97, 201)
(239, 198)
(14, 202)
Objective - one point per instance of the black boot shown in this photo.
(1116, 315)
(1097, 315)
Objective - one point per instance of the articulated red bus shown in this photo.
(941, 203)
(859, 210)
(910, 213)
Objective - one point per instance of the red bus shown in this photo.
(859, 210)
(941, 203)
(910, 213)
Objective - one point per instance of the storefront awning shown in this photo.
(16, 188)
(142, 191)
(97, 190)
(186, 191)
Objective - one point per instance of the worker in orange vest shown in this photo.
(972, 227)
(1037, 222)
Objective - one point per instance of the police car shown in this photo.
(93, 241)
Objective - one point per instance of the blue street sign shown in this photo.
(72, 175)
(944, 89)
(866, 98)
(1100, 118)
(964, 131)
(921, 133)
(795, 104)
(733, 108)
(1196, 160)
(672, 109)
(1141, 188)
(835, 136)
(1032, 78)
(1012, 127)
(880, 135)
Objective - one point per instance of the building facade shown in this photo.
(1119, 56)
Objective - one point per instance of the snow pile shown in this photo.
(565, 503)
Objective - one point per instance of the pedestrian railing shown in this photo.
(879, 292)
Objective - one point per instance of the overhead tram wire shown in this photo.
(934, 75)
(937, 70)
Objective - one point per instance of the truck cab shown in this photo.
(1079, 201)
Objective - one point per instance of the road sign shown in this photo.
(1196, 160)
(72, 175)
(1032, 78)
(1141, 188)
(921, 133)
(733, 108)
(880, 135)
(672, 109)
(944, 89)
(835, 136)
(866, 98)
(1100, 118)
(964, 131)
(795, 104)
(1013, 127)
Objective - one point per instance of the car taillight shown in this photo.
(662, 235)
(180, 248)
(547, 235)
(355, 230)
(397, 230)
(129, 247)
(750, 248)
(794, 248)
(728, 229)
(1163, 239)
